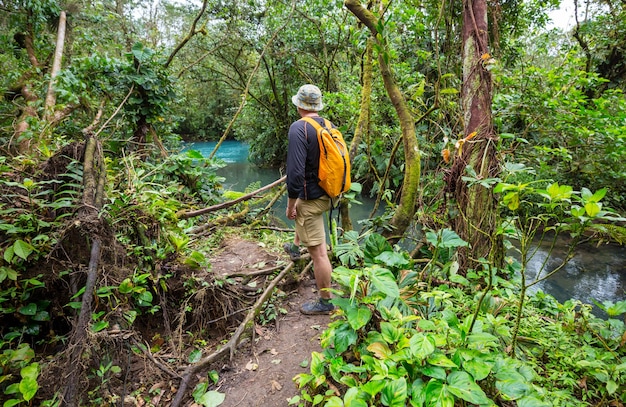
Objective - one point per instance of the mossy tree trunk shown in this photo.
(477, 222)
(406, 207)
(362, 130)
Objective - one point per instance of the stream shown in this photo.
(595, 273)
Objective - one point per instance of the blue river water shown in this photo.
(239, 173)
(595, 273)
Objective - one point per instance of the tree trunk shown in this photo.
(406, 208)
(363, 124)
(56, 67)
(477, 222)
(94, 179)
(362, 129)
(24, 143)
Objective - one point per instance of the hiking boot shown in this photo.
(292, 250)
(320, 306)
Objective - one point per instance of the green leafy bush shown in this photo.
(399, 339)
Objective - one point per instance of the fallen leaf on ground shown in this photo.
(276, 386)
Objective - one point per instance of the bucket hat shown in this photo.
(309, 97)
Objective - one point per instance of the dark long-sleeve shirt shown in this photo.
(303, 155)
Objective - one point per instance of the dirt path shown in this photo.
(262, 371)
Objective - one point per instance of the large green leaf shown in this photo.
(334, 401)
(530, 401)
(375, 244)
(344, 336)
(477, 368)
(390, 333)
(384, 281)
(422, 345)
(317, 364)
(445, 238)
(211, 398)
(194, 356)
(352, 398)
(22, 249)
(439, 359)
(596, 197)
(437, 394)
(373, 387)
(559, 192)
(463, 386)
(482, 340)
(358, 316)
(593, 208)
(512, 384)
(28, 309)
(28, 387)
(393, 260)
(394, 393)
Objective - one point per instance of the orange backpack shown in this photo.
(334, 171)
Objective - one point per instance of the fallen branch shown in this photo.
(275, 229)
(191, 214)
(94, 178)
(308, 267)
(234, 219)
(231, 345)
(253, 273)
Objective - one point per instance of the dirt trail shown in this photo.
(262, 371)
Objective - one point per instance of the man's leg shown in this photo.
(310, 231)
(322, 269)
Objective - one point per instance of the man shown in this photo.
(307, 200)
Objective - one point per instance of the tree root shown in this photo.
(146, 350)
(94, 178)
(231, 345)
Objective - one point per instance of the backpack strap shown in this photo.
(313, 123)
(327, 124)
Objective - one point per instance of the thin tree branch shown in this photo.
(191, 214)
(189, 36)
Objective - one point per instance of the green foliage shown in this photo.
(152, 84)
(207, 398)
(102, 375)
(568, 135)
(272, 308)
(28, 233)
(395, 343)
(18, 373)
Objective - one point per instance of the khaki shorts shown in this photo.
(310, 220)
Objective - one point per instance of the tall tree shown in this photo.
(406, 208)
(476, 157)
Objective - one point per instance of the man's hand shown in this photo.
(291, 209)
